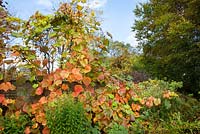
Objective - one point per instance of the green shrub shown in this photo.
(66, 116)
(156, 87)
(13, 124)
(117, 129)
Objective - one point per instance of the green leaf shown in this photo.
(79, 7)
(111, 96)
(35, 85)
(114, 104)
(32, 78)
(1, 76)
(167, 104)
(31, 57)
(106, 42)
(15, 34)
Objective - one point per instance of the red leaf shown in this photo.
(2, 98)
(46, 130)
(65, 87)
(39, 91)
(77, 90)
(25, 108)
(101, 99)
(101, 76)
(27, 130)
(43, 100)
(87, 81)
(122, 91)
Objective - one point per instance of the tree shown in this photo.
(8, 24)
(169, 34)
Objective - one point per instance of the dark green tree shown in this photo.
(169, 34)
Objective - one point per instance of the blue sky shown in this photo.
(118, 16)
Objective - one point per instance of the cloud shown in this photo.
(132, 40)
(46, 3)
(94, 4)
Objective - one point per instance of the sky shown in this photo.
(117, 17)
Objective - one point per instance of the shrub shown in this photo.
(14, 124)
(117, 129)
(65, 115)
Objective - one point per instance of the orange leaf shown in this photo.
(27, 130)
(64, 87)
(75, 71)
(64, 74)
(78, 76)
(35, 126)
(43, 100)
(46, 83)
(166, 95)
(122, 91)
(135, 107)
(87, 69)
(149, 103)
(101, 99)
(16, 53)
(25, 108)
(44, 62)
(101, 76)
(37, 62)
(46, 130)
(39, 91)
(87, 81)
(58, 82)
(56, 76)
(7, 86)
(142, 101)
(2, 98)
(136, 114)
(77, 90)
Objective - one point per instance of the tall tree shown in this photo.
(169, 34)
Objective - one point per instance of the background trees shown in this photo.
(169, 34)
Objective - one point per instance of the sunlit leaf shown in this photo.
(43, 100)
(87, 69)
(46, 130)
(64, 74)
(58, 82)
(39, 91)
(2, 98)
(157, 101)
(35, 85)
(77, 90)
(7, 86)
(87, 81)
(135, 107)
(27, 130)
(64, 87)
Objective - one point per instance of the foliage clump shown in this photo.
(14, 124)
(66, 116)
